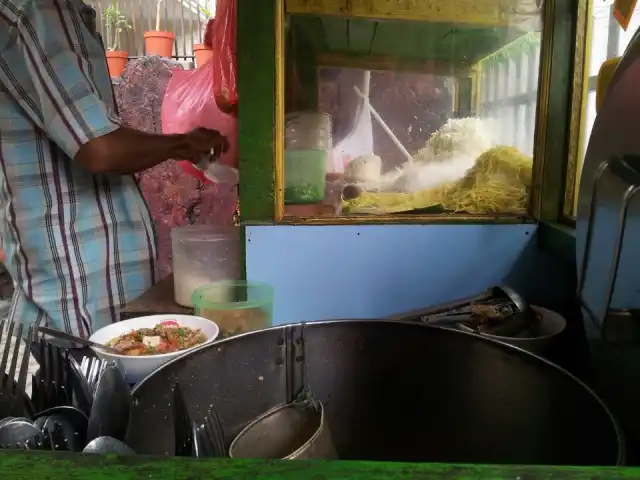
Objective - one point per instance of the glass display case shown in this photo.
(408, 109)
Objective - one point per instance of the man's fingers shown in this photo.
(225, 144)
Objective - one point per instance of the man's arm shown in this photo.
(130, 151)
(64, 100)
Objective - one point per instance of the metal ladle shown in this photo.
(81, 341)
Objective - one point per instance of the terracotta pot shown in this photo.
(159, 43)
(203, 54)
(116, 61)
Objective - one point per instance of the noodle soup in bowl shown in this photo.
(147, 352)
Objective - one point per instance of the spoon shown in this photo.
(104, 445)
(19, 419)
(111, 406)
(82, 393)
(92, 368)
(71, 439)
(72, 413)
(17, 432)
(6, 420)
(81, 341)
(40, 422)
(197, 448)
(71, 423)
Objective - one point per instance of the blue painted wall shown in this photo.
(324, 272)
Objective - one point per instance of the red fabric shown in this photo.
(225, 87)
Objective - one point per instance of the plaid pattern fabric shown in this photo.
(79, 246)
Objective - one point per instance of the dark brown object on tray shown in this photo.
(350, 192)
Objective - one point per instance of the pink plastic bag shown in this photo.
(189, 103)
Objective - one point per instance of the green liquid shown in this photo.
(304, 176)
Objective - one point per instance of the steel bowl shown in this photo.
(392, 391)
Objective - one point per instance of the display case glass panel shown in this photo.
(409, 110)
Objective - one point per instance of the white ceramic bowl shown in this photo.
(137, 368)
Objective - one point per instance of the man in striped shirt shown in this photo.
(76, 232)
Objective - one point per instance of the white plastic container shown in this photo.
(203, 254)
(308, 131)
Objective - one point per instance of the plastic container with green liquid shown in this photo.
(235, 306)
(308, 142)
(304, 176)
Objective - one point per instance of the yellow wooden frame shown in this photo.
(542, 118)
(488, 13)
(278, 128)
(578, 106)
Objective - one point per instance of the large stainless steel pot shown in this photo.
(391, 391)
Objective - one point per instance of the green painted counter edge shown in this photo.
(558, 239)
(60, 466)
(256, 107)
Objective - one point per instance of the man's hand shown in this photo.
(3, 256)
(202, 140)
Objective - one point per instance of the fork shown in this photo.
(82, 394)
(52, 387)
(92, 368)
(210, 436)
(13, 400)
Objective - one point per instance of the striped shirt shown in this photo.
(79, 246)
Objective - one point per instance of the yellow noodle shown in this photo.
(499, 182)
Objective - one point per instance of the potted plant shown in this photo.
(201, 51)
(115, 23)
(159, 42)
